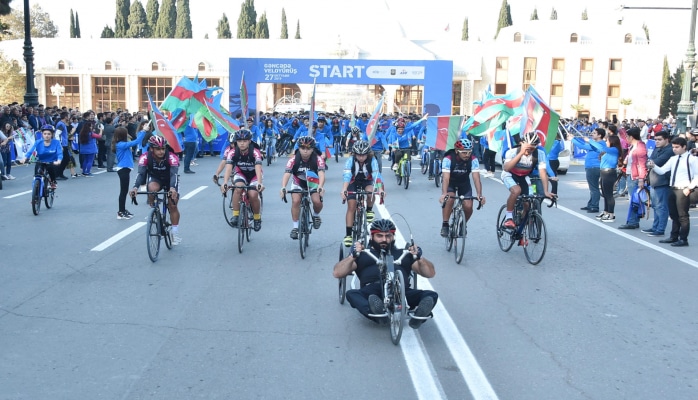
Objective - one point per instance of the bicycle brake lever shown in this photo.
(133, 200)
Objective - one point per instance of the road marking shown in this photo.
(105, 244)
(424, 379)
(18, 194)
(194, 192)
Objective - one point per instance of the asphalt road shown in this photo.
(608, 314)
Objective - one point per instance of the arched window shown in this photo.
(61, 64)
(517, 37)
(628, 38)
(573, 38)
(15, 64)
(202, 66)
(155, 67)
(107, 66)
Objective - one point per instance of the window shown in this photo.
(202, 66)
(585, 90)
(574, 38)
(502, 63)
(61, 65)
(613, 91)
(529, 73)
(616, 65)
(408, 98)
(628, 38)
(556, 90)
(517, 37)
(456, 89)
(501, 76)
(155, 67)
(107, 66)
(157, 87)
(558, 64)
(108, 93)
(71, 95)
(500, 88)
(587, 64)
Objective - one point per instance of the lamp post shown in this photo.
(31, 97)
(58, 91)
(685, 106)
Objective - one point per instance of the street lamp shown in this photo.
(31, 97)
(58, 91)
(685, 106)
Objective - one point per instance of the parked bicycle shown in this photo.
(305, 218)
(530, 229)
(458, 225)
(159, 225)
(42, 189)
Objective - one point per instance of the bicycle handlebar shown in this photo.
(379, 261)
(309, 191)
(158, 193)
(347, 192)
(539, 197)
(461, 198)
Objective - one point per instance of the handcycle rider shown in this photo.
(367, 300)
(159, 168)
(246, 160)
(360, 171)
(305, 159)
(48, 152)
(518, 164)
(457, 166)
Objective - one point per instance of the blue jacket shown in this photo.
(124, 156)
(610, 157)
(46, 154)
(555, 150)
(592, 158)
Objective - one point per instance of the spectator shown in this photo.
(9, 134)
(636, 169)
(88, 147)
(591, 167)
(108, 134)
(659, 184)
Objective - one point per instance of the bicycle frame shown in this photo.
(159, 201)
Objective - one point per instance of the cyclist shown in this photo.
(270, 135)
(368, 299)
(246, 162)
(457, 166)
(360, 170)
(48, 152)
(337, 134)
(379, 146)
(159, 168)
(306, 159)
(256, 133)
(224, 157)
(518, 164)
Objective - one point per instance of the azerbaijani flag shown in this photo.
(178, 119)
(164, 127)
(312, 179)
(538, 117)
(187, 95)
(201, 120)
(219, 115)
(372, 125)
(443, 131)
(352, 121)
(243, 97)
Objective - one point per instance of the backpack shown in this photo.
(369, 161)
(312, 162)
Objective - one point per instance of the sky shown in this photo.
(421, 19)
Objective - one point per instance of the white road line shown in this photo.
(105, 244)
(17, 195)
(424, 379)
(193, 192)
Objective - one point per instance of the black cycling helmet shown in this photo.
(383, 225)
(231, 137)
(243, 134)
(361, 147)
(306, 141)
(48, 127)
(355, 130)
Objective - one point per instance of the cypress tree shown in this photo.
(72, 24)
(223, 28)
(123, 7)
(585, 17)
(284, 26)
(504, 17)
(675, 95)
(262, 28)
(77, 25)
(647, 31)
(107, 33)
(553, 14)
(152, 12)
(183, 30)
(137, 22)
(534, 16)
(464, 35)
(247, 20)
(167, 19)
(298, 30)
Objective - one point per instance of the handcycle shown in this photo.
(305, 220)
(530, 228)
(41, 188)
(457, 225)
(359, 233)
(404, 167)
(158, 226)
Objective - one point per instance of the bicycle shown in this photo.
(269, 150)
(530, 228)
(305, 220)
(227, 204)
(392, 282)
(425, 161)
(246, 217)
(337, 148)
(436, 168)
(404, 168)
(41, 188)
(458, 226)
(158, 225)
(283, 145)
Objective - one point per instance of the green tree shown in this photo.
(247, 20)
(676, 87)
(12, 82)
(123, 7)
(625, 103)
(5, 7)
(165, 28)
(152, 12)
(284, 25)
(577, 108)
(183, 30)
(77, 25)
(262, 28)
(585, 17)
(72, 24)
(647, 31)
(504, 17)
(298, 30)
(534, 15)
(665, 99)
(464, 34)
(223, 28)
(40, 24)
(137, 22)
(107, 33)
(553, 14)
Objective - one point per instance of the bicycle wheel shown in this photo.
(449, 237)
(36, 196)
(250, 223)
(342, 281)
(437, 173)
(535, 238)
(425, 163)
(269, 154)
(153, 234)
(406, 172)
(166, 231)
(398, 307)
(48, 194)
(303, 230)
(337, 150)
(242, 226)
(505, 236)
(459, 236)
(228, 208)
(398, 174)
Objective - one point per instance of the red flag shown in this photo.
(164, 127)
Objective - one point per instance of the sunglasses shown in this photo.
(464, 151)
(306, 147)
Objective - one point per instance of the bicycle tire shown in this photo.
(50, 195)
(337, 150)
(228, 209)
(269, 155)
(459, 238)
(398, 307)
(343, 280)
(398, 175)
(535, 237)
(303, 232)
(36, 196)
(425, 163)
(242, 223)
(407, 171)
(449, 237)
(153, 234)
(250, 223)
(504, 236)
(437, 173)
(166, 231)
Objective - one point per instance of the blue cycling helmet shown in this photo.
(48, 127)
(464, 144)
(243, 134)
